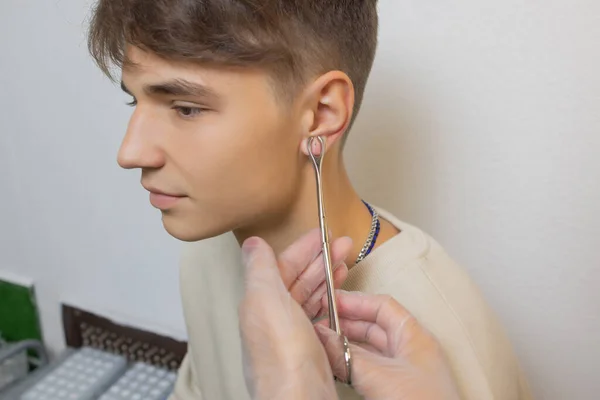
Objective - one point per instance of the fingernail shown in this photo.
(324, 331)
(340, 264)
(248, 249)
(320, 328)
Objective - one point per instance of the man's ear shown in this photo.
(329, 105)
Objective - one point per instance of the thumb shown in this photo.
(364, 364)
(261, 265)
(334, 347)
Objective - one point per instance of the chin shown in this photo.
(184, 230)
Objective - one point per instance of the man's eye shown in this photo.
(188, 112)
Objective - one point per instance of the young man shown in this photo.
(226, 95)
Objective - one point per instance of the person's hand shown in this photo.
(283, 357)
(303, 271)
(393, 356)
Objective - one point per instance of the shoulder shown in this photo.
(419, 273)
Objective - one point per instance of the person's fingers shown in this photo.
(424, 374)
(382, 310)
(369, 348)
(339, 275)
(314, 274)
(261, 268)
(358, 339)
(365, 332)
(334, 348)
(294, 259)
(313, 306)
(363, 361)
(265, 306)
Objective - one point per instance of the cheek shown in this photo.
(246, 162)
(270, 175)
(265, 167)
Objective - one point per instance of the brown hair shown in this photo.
(293, 39)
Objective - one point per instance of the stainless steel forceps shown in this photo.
(334, 322)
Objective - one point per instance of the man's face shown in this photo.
(217, 149)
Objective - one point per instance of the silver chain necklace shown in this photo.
(373, 233)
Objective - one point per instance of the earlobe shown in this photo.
(311, 141)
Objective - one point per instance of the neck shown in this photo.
(346, 214)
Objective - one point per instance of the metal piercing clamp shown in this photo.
(334, 322)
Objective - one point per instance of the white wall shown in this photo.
(70, 219)
(484, 113)
(492, 112)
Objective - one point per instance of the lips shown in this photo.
(164, 201)
(161, 199)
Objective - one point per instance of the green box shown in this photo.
(19, 316)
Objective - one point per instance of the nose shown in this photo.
(140, 147)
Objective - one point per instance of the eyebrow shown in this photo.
(177, 87)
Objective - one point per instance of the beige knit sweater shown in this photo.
(411, 267)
